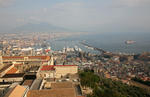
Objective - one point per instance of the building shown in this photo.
(46, 71)
(18, 77)
(43, 59)
(56, 71)
(69, 92)
(5, 69)
(8, 69)
(62, 70)
(59, 89)
(18, 91)
(58, 85)
(1, 60)
(13, 71)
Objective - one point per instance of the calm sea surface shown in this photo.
(114, 42)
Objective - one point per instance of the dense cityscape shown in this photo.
(30, 67)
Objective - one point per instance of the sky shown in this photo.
(78, 15)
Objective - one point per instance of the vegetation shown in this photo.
(103, 87)
(141, 81)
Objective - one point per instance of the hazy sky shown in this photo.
(80, 15)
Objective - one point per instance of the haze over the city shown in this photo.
(75, 15)
(74, 48)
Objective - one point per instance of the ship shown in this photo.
(130, 42)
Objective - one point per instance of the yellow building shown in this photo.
(56, 71)
(62, 70)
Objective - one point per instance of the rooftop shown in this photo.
(59, 85)
(4, 68)
(17, 64)
(13, 75)
(62, 92)
(28, 82)
(47, 67)
(18, 91)
(40, 57)
(50, 67)
(12, 71)
(30, 57)
(65, 65)
(12, 57)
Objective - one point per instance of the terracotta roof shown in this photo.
(4, 68)
(12, 57)
(63, 92)
(40, 57)
(48, 58)
(17, 64)
(47, 67)
(30, 57)
(47, 50)
(12, 70)
(18, 91)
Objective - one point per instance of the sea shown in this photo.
(112, 42)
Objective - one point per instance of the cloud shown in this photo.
(20, 20)
(64, 13)
(131, 3)
(44, 10)
(5, 3)
(93, 16)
